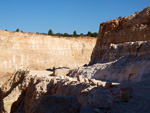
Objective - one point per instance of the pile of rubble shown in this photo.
(28, 93)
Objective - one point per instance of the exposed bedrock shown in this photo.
(41, 52)
(130, 63)
(25, 93)
(128, 29)
(122, 50)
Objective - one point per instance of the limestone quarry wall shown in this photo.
(122, 50)
(128, 29)
(37, 51)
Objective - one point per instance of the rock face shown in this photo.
(37, 51)
(119, 31)
(122, 50)
(25, 92)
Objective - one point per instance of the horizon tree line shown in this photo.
(90, 34)
(50, 32)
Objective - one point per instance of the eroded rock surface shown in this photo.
(40, 52)
(24, 92)
(122, 50)
(128, 29)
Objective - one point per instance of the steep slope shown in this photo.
(122, 50)
(37, 51)
(128, 29)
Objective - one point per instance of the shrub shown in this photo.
(50, 32)
(17, 30)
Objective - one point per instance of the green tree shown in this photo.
(81, 34)
(50, 32)
(94, 34)
(17, 30)
(89, 33)
(5, 29)
(66, 35)
(58, 34)
(75, 33)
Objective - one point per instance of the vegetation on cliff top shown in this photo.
(50, 32)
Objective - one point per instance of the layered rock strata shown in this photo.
(40, 52)
(122, 50)
(119, 31)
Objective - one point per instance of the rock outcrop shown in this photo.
(122, 50)
(39, 52)
(28, 93)
(119, 31)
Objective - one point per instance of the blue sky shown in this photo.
(64, 15)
